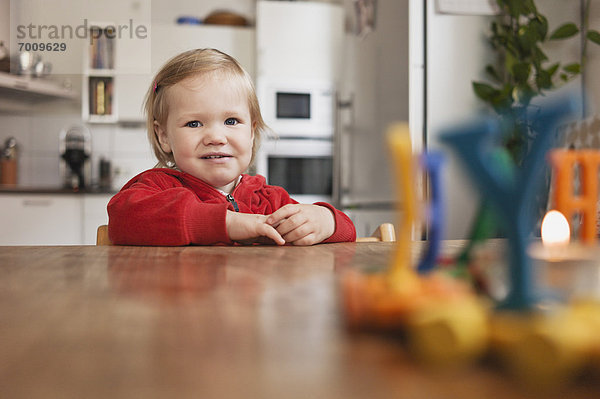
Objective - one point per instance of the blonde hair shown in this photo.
(183, 66)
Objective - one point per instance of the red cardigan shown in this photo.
(168, 207)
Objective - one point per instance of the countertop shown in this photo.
(4, 189)
(209, 322)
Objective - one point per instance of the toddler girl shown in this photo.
(204, 124)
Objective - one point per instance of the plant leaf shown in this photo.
(485, 91)
(594, 36)
(527, 39)
(490, 70)
(502, 101)
(564, 31)
(574, 68)
(521, 71)
(516, 8)
(552, 70)
(543, 80)
(530, 6)
(539, 26)
(539, 56)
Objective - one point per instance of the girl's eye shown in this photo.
(231, 121)
(193, 124)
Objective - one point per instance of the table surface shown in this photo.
(208, 322)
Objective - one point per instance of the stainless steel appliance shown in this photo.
(75, 150)
(374, 92)
(304, 167)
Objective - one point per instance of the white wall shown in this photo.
(38, 139)
(4, 21)
(456, 54)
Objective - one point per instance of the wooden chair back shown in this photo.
(385, 233)
(102, 235)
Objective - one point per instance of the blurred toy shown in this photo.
(442, 317)
(541, 347)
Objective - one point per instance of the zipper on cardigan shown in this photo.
(232, 200)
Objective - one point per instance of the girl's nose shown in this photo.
(215, 135)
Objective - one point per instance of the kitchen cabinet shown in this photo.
(94, 215)
(40, 219)
(51, 219)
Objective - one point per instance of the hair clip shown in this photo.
(155, 86)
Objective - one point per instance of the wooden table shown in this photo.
(207, 322)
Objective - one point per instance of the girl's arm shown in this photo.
(157, 210)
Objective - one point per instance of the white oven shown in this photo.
(295, 108)
(304, 167)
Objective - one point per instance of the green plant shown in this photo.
(524, 71)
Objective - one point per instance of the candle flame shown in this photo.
(555, 229)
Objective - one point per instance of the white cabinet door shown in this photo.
(40, 219)
(94, 215)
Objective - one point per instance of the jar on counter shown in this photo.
(105, 174)
(8, 163)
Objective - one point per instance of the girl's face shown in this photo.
(208, 129)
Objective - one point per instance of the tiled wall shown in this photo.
(38, 140)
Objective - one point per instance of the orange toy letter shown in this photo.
(565, 200)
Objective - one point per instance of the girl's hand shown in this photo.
(248, 228)
(303, 224)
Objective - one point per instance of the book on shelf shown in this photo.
(101, 95)
(102, 49)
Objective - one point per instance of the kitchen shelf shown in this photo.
(102, 119)
(99, 104)
(130, 66)
(30, 89)
(100, 72)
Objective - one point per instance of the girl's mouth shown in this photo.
(215, 156)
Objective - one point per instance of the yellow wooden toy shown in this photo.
(444, 320)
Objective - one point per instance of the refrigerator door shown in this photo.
(374, 94)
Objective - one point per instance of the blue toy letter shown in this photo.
(511, 191)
